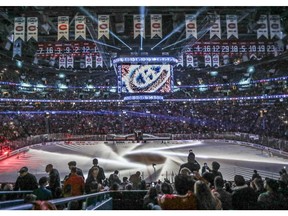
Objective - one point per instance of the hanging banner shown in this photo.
(63, 27)
(99, 61)
(263, 29)
(32, 28)
(208, 60)
(232, 26)
(103, 26)
(62, 61)
(191, 26)
(88, 61)
(80, 27)
(189, 60)
(139, 25)
(156, 25)
(180, 60)
(70, 61)
(19, 28)
(17, 48)
(215, 29)
(215, 60)
(275, 26)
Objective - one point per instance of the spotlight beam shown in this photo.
(169, 35)
(96, 20)
(201, 10)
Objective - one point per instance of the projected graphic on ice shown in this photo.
(146, 78)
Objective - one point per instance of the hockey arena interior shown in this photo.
(143, 108)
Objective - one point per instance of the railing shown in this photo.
(111, 200)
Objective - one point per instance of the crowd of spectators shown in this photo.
(189, 191)
(264, 119)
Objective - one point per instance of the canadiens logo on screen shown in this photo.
(147, 78)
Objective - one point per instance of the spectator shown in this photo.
(43, 205)
(210, 176)
(205, 198)
(191, 164)
(150, 199)
(25, 180)
(255, 175)
(184, 199)
(42, 193)
(76, 183)
(7, 187)
(92, 184)
(272, 199)
(54, 179)
(124, 183)
(135, 179)
(113, 178)
(258, 186)
(205, 168)
(224, 196)
(243, 197)
(101, 174)
(284, 176)
(78, 170)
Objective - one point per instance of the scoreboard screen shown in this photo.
(155, 78)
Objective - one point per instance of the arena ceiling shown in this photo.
(172, 17)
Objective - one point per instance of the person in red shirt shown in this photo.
(76, 183)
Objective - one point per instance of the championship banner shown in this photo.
(263, 29)
(103, 26)
(63, 27)
(215, 29)
(62, 61)
(99, 61)
(139, 25)
(19, 28)
(189, 60)
(156, 25)
(180, 60)
(32, 28)
(215, 61)
(208, 60)
(232, 26)
(191, 26)
(88, 61)
(80, 27)
(275, 27)
(70, 61)
(17, 48)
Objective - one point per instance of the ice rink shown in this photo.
(131, 157)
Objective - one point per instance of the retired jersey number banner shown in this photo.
(80, 27)
(63, 27)
(139, 25)
(232, 26)
(263, 29)
(32, 28)
(275, 27)
(191, 26)
(215, 29)
(19, 28)
(156, 25)
(103, 26)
